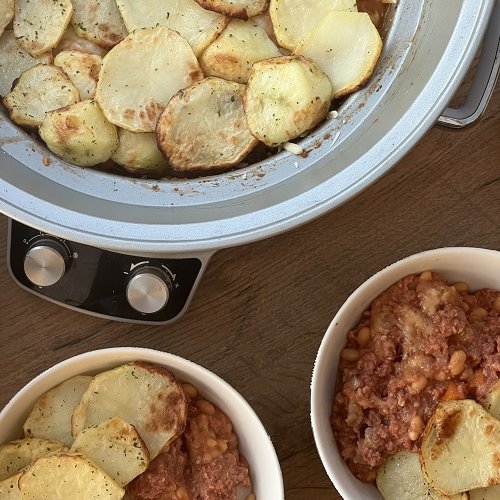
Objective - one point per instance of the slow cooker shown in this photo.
(136, 249)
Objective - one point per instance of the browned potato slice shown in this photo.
(98, 21)
(490, 493)
(141, 74)
(9, 489)
(294, 19)
(459, 450)
(138, 153)
(400, 477)
(348, 65)
(286, 96)
(6, 14)
(116, 447)
(67, 477)
(39, 89)
(196, 24)
(82, 69)
(80, 134)
(71, 41)
(239, 46)
(50, 417)
(145, 395)
(242, 9)
(40, 24)
(203, 127)
(16, 455)
(14, 60)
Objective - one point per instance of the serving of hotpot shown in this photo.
(135, 249)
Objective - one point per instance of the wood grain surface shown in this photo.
(261, 310)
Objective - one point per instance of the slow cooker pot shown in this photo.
(428, 48)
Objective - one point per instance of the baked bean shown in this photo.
(190, 390)
(457, 362)
(181, 493)
(440, 376)
(478, 313)
(426, 276)
(416, 427)
(349, 354)
(461, 287)
(250, 497)
(211, 442)
(364, 336)
(205, 407)
(419, 384)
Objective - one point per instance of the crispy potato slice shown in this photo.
(145, 395)
(400, 477)
(9, 488)
(82, 69)
(116, 447)
(80, 134)
(16, 455)
(459, 450)
(138, 153)
(98, 21)
(285, 97)
(490, 493)
(197, 25)
(50, 417)
(6, 14)
(204, 129)
(71, 41)
(140, 75)
(40, 24)
(39, 89)
(239, 46)
(493, 400)
(242, 9)
(66, 477)
(294, 19)
(14, 60)
(348, 65)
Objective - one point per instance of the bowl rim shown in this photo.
(101, 359)
(323, 445)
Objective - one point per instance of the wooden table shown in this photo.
(261, 310)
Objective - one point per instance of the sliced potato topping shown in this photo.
(239, 46)
(9, 489)
(14, 60)
(50, 417)
(67, 476)
(71, 41)
(493, 401)
(348, 65)
(98, 21)
(243, 9)
(16, 455)
(459, 450)
(80, 134)
(294, 19)
(6, 14)
(286, 96)
(145, 395)
(490, 493)
(39, 89)
(138, 153)
(400, 477)
(204, 128)
(140, 75)
(116, 447)
(82, 69)
(197, 25)
(40, 24)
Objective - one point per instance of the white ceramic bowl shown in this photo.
(255, 444)
(478, 267)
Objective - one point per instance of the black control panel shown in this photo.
(98, 281)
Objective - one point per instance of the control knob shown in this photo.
(46, 261)
(148, 289)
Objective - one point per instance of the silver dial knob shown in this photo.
(45, 263)
(148, 290)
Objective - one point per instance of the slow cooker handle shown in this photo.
(484, 80)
